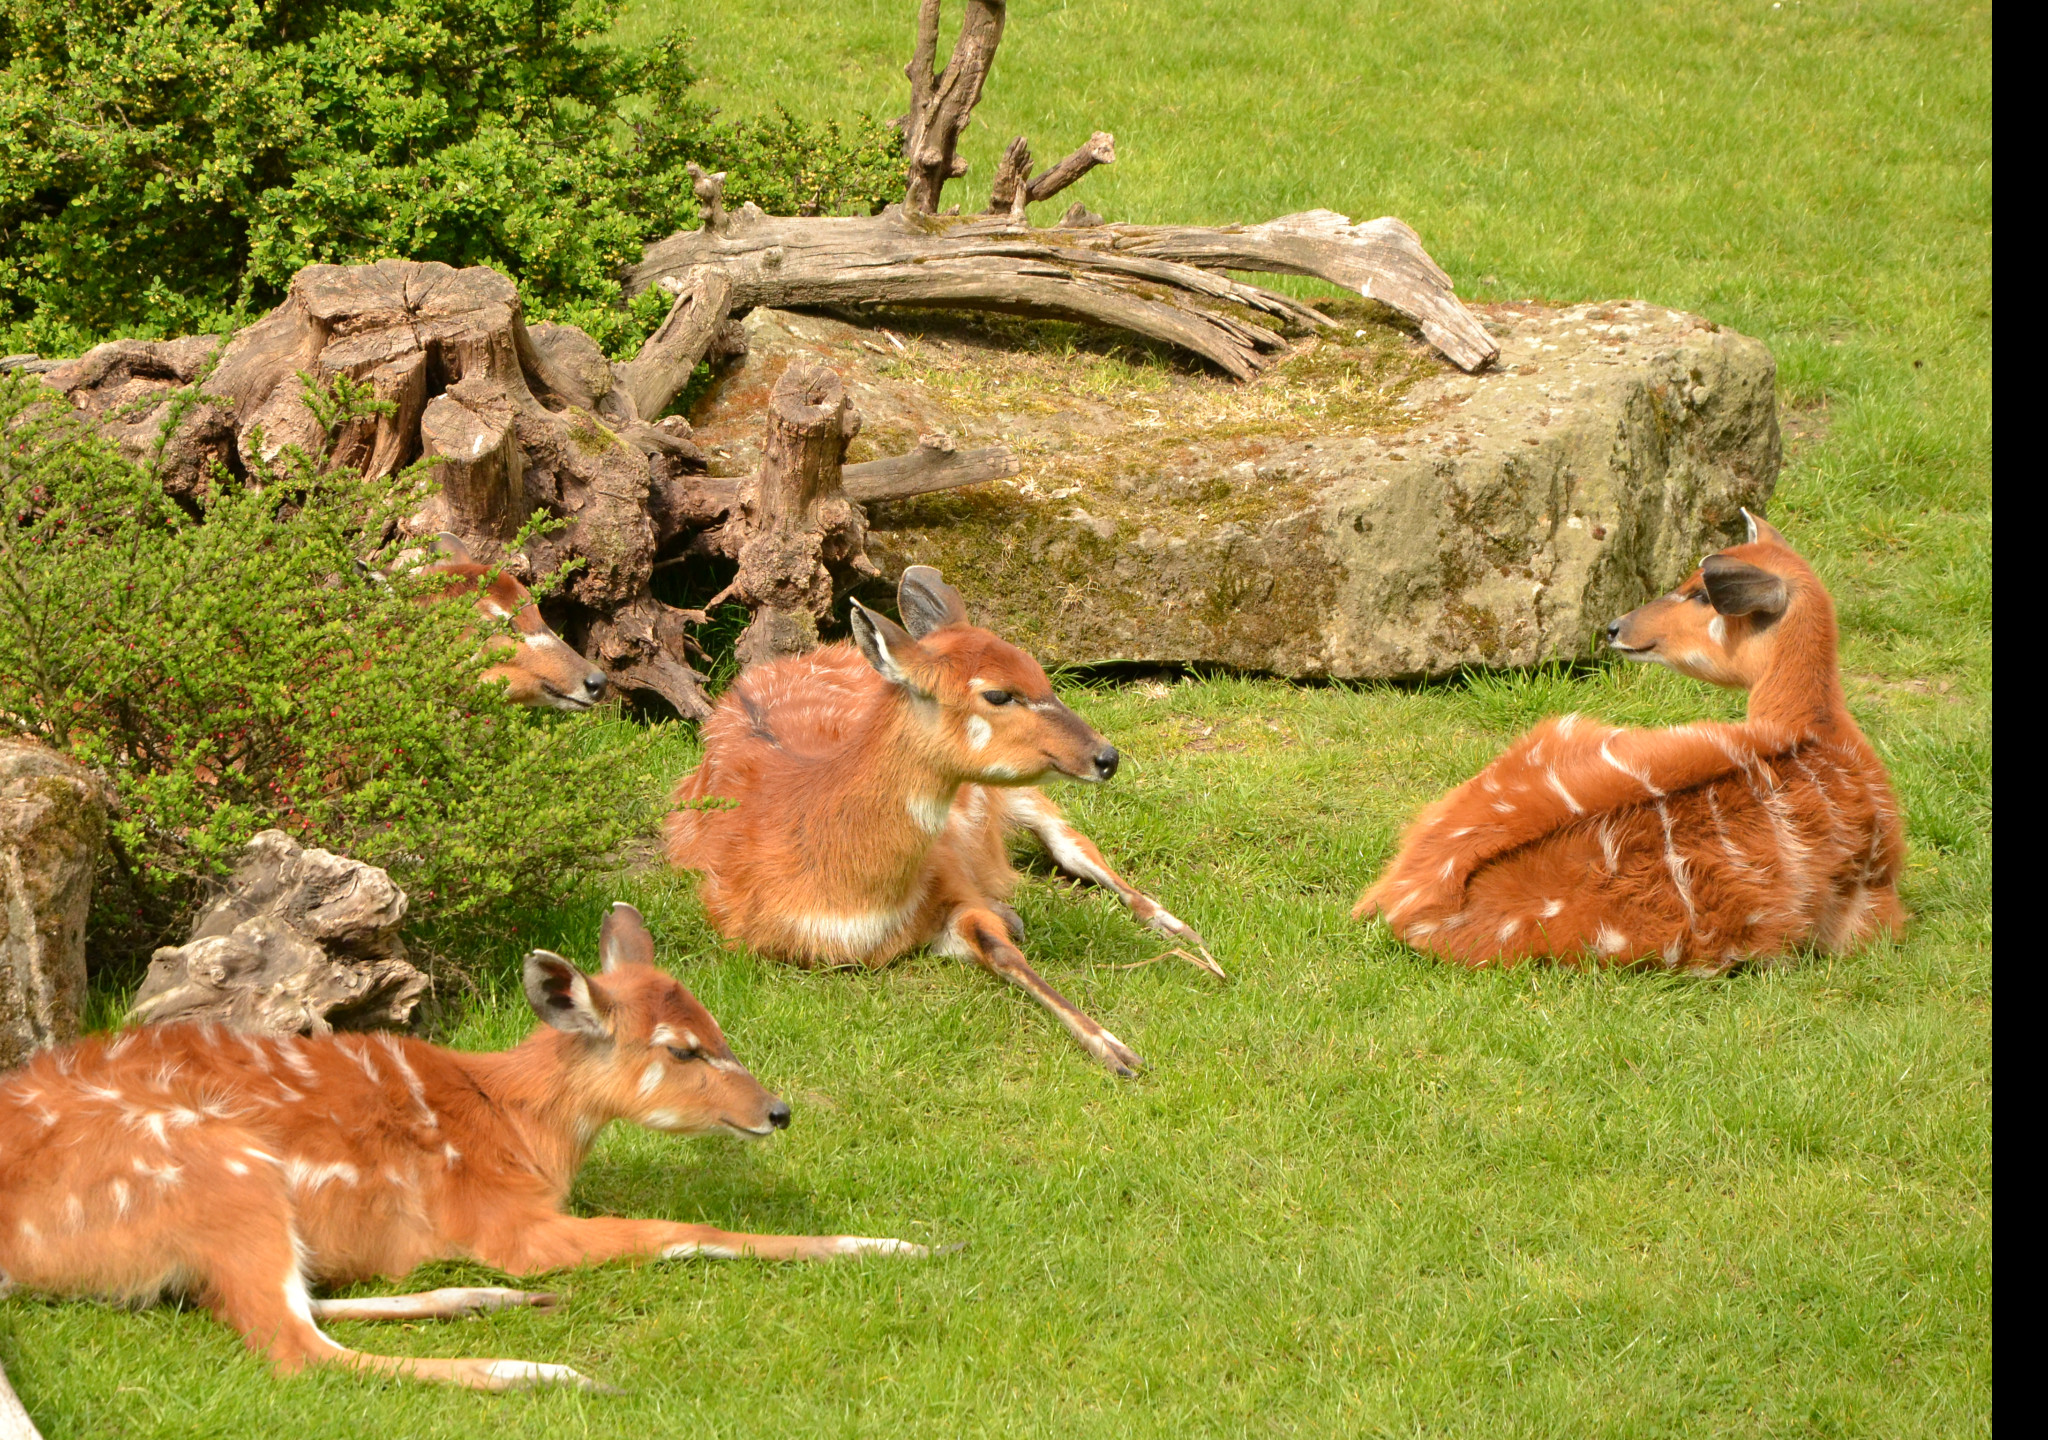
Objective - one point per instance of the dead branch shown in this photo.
(942, 101)
(1013, 181)
(655, 376)
(933, 465)
(1100, 150)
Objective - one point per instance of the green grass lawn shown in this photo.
(1357, 1192)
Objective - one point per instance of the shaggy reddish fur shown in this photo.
(241, 1169)
(1696, 847)
(870, 797)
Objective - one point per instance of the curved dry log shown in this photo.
(1381, 259)
(1161, 282)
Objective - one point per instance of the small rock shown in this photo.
(302, 942)
(53, 820)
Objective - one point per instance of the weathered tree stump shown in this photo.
(793, 530)
(301, 942)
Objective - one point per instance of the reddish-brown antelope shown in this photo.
(876, 785)
(1700, 846)
(243, 1170)
(540, 668)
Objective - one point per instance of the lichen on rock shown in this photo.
(1362, 510)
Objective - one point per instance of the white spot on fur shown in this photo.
(1551, 907)
(122, 1197)
(307, 1175)
(235, 1167)
(662, 1120)
(689, 1249)
(1507, 931)
(450, 1156)
(979, 732)
(650, 1078)
(665, 1035)
(1717, 630)
(1610, 941)
(928, 812)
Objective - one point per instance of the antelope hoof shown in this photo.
(503, 1375)
(1119, 1057)
(1167, 923)
(875, 1245)
(483, 1299)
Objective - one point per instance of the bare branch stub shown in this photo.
(1100, 150)
(1007, 195)
(655, 376)
(710, 192)
(942, 101)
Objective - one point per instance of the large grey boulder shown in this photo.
(1498, 519)
(53, 823)
(301, 942)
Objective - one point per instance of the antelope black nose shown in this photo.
(1106, 761)
(593, 684)
(778, 1114)
(1613, 631)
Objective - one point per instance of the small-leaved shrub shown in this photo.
(246, 669)
(167, 165)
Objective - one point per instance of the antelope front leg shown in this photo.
(980, 932)
(561, 1241)
(1076, 854)
(453, 1303)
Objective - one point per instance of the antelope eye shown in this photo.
(685, 1055)
(996, 697)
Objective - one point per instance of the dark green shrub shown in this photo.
(168, 164)
(242, 671)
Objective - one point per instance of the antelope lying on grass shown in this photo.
(1700, 846)
(241, 1170)
(541, 668)
(876, 784)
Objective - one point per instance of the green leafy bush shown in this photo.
(243, 670)
(168, 164)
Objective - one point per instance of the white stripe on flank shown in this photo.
(1550, 779)
(1641, 777)
(1681, 877)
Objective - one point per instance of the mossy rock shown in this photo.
(1361, 510)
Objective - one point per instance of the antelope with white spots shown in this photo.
(242, 1171)
(874, 788)
(1697, 847)
(538, 668)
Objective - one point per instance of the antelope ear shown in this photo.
(623, 939)
(928, 602)
(451, 546)
(1737, 587)
(887, 646)
(560, 995)
(1762, 529)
